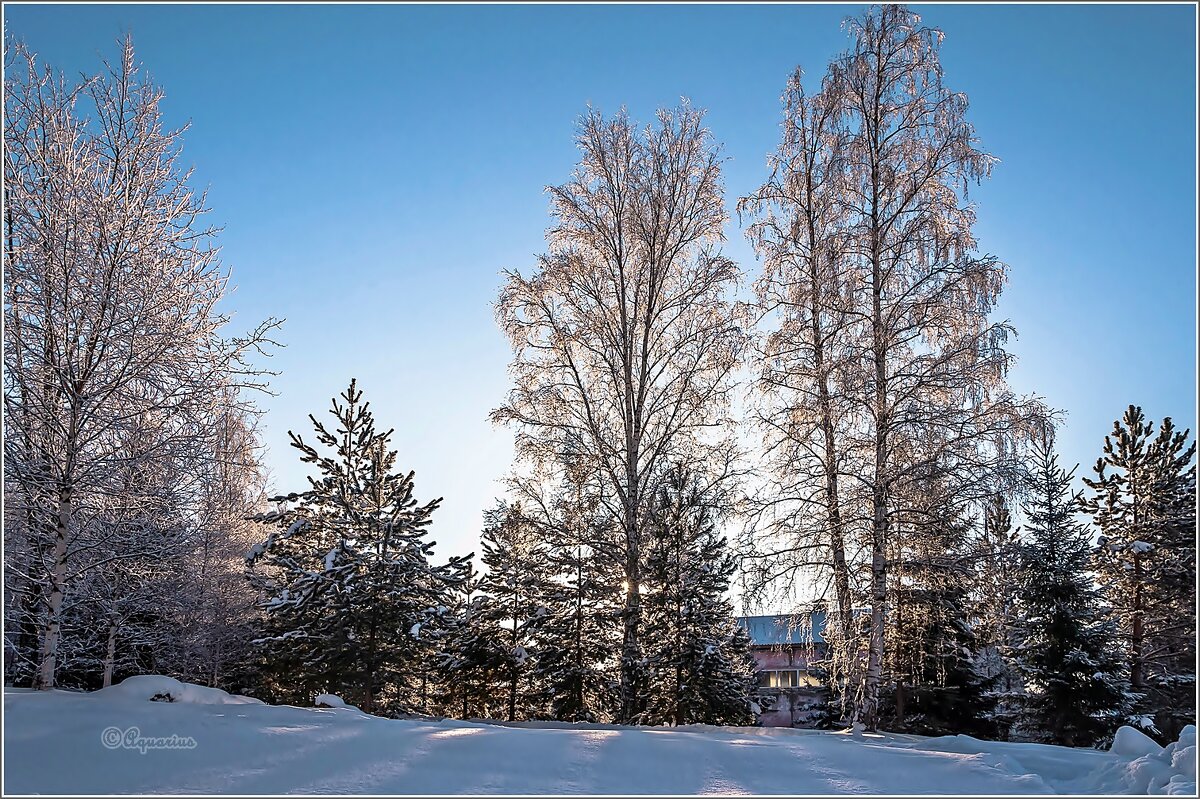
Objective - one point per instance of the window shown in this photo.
(787, 678)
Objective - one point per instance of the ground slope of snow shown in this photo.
(205, 742)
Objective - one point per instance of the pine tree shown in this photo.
(515, 584)
(578, 638)
(937, 687)
(346, 573)
(1143, 501)
(996, 577)
(699, 663)
(472, 661)
(579, 627)
(1077, 689)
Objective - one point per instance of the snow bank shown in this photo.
(209, 742)
(333, 701)
(329, 700)
(155, 687)
(1129, 742)
(1152, 769)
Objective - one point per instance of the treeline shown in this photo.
(1054, 630)
(354, 604)
(893, 455)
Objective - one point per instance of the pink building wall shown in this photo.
(781, 657)
(792, 705)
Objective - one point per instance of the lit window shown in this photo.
(789, 678)
(783, 679)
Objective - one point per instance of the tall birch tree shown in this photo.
(111, 285)
(881, 365)
(799, 232)
(624, 336)
(931, 380)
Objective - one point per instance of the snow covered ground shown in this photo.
(206, 741)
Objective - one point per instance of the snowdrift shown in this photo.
(207, 741)
(1154, 769)
(156, 688)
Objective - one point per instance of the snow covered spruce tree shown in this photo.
(996, 580)
(472, 664)
(350, 596)
(515, 584)
(115, 369)
(1143, 500)
(933, 686)
(698, 659)
(1077, 692)
(624, 337)
(576, 672)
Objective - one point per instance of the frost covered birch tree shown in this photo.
(931, 384)
(881, 364)
(624, 336)
(800, 232)
(111, 327)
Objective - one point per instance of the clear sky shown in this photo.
(376, 167)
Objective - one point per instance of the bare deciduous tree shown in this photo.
(883, 366)
(932, 390)
(111, 326)
(800, 234)
(624, 336)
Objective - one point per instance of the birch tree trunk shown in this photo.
(110, 654)
(58, 579)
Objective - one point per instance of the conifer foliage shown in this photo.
(699, 662)
(471, 661)
(997, 573)
(350, 593)
(580, 632)
(1077, 692)
(932, 642)
(515, 557)
(1143, 501)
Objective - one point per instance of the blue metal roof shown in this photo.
(795, 628)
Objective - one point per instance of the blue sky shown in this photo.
(376, 167)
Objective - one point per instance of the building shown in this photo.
(786, 648)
